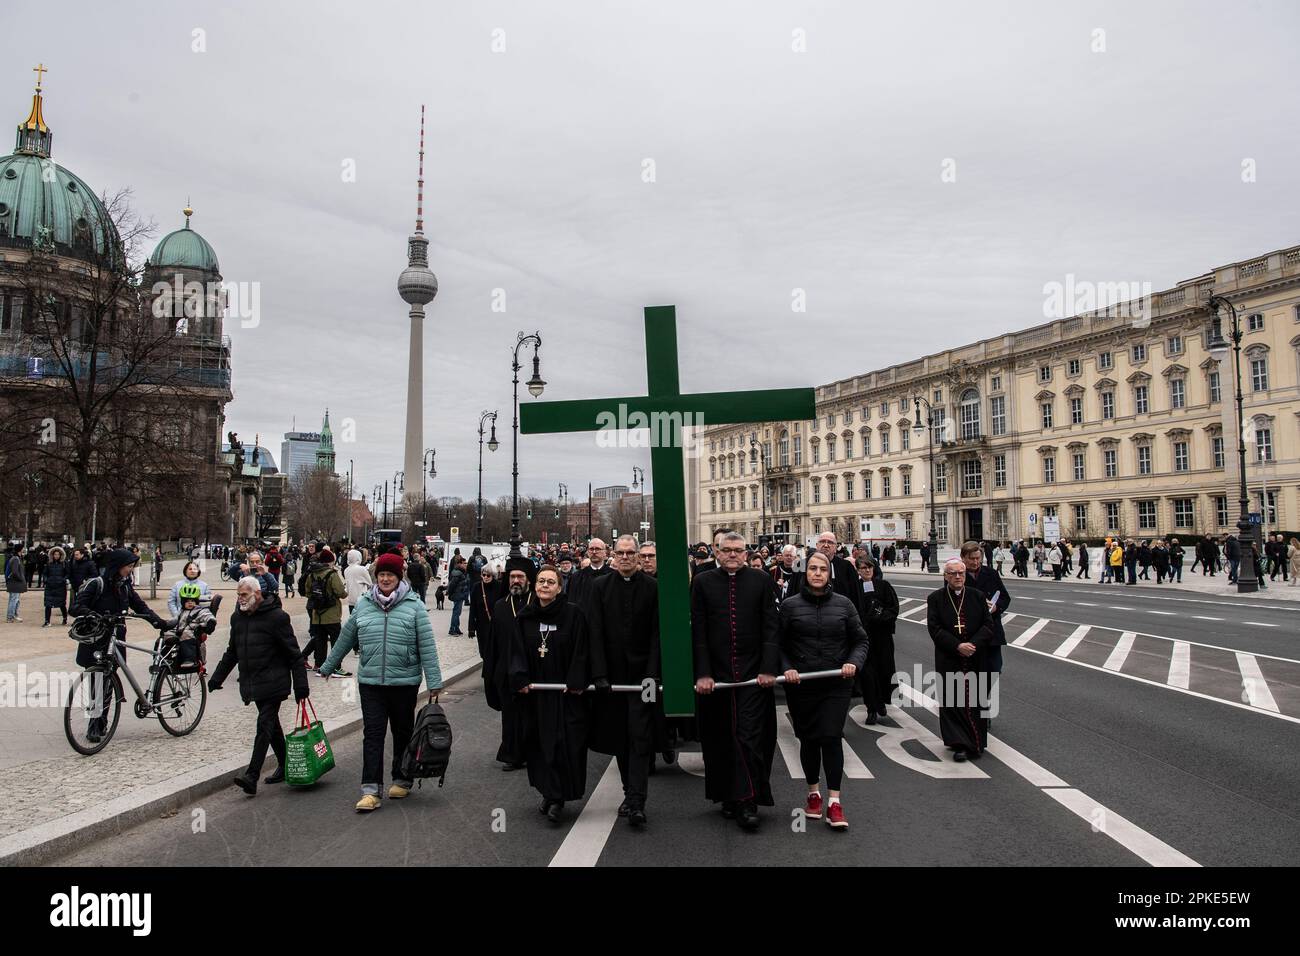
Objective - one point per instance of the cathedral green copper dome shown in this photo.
(185, 249)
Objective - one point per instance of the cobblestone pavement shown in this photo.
(42, 778)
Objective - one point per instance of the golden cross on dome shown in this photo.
(39, 69)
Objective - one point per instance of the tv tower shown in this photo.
(417, 285)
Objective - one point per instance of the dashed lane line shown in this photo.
(1165, 613)
(1206, 617)
(1261, 624)
(1139, 842)
(587, 837)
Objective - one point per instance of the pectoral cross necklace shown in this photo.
(546, 630)
(957, 607)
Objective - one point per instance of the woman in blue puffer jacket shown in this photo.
(394, 638)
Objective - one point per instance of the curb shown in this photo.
(48, 841)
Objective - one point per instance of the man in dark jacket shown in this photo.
(1232, 551)
(988, 582)
(844, 576)
(15, 583)
(580, 587)
(623, 618)
(263, 644)
(83, 568)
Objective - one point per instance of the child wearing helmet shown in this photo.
(193, 625)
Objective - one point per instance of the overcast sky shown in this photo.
(774, 169)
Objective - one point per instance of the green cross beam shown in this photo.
(665, 410)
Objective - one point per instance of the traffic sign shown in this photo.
(1033, 518)
(1256, 517)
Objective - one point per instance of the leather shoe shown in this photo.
(512, 766)
(959, 756)
(670, 757)
(247, 784)
(636, 817)
(277, 777)
(623, 808)
(748, 817)
(871, 718)
(728, 810)
(554, 811)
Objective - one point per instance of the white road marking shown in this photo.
(919, 607)
(1072, 641)
(1009, 616)
(1116, 607)
(1180, 665)
(1085, 603)
(1203, 617)
(1165, 613)
(1034, 628)
(1155, 597)
(1253, 684)
(1052, 601)
(587, 837)
(788, 743)
(1120, 654)
(909, 728)
(1262, 624)
(1128, 835)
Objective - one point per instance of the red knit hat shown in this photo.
(390, 562)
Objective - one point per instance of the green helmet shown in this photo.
(190, 592)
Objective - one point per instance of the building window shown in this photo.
(1080, 519)
(1044, 373)
(998, 414)
(830, 450)
(1112, 516)
(1078, 466)
(941, 527)
(938, 420)
(1139, 354)
(1216, 443)
(1076, 410)
(1174, 345)
(1105, 360)
(999, 472)
(1047, 414)
(1264, 444)
(1049, 469)
(885, 483)
(1177, 393)
(798, 493)
(940, 478)
(798, 450)
(816, 491)
(1182, 512)
(830, 421)
(848, 416)
(1259, 374)
(732, 498)
(1146, 515)
(995, 383)
(713, 501)
(1073, 367)
(1111, 460)
(866, 486)
(884, 409)
(1141, 399)
(972, 478)
(816, 453)
(831, 491)
(1271, 517)
(1107, 405)
(1255, 322)
(783, 449)
(938, 396)
(907, 483)
(848, 447)
(713, 471)
(1181, 460)
(848, 487)
(969, 414)
(905, 437)
(1000, 523)
(884, 442)
(1221, 510)
(742, 499)
(1216, 394)
(1144, 459)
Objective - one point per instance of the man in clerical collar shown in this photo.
(844, 577)
(495, 643)
(957, 617)
(980, 575)
(648, 556)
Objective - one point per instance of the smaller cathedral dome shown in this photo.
(185, 249)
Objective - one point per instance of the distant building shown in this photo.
(609, 493)
(325, 450)
(298, 451)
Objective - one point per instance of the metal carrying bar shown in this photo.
(636, 688)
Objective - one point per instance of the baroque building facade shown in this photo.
(1114, 421)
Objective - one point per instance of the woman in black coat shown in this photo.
(821, 630)
(263, 644)
(878, 609)
(56, 585)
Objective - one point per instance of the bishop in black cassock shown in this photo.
(735, 624)
(623, 618)
(957, 616)
(495, 642)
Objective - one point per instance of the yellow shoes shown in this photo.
(367, 803)
(397, 793)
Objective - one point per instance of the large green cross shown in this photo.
(665, 410)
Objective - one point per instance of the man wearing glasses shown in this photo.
(583, 579)
(735, 620)
(649, 559)
(957, 616)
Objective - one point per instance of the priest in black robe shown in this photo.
(844, 576)
(735, 624)
(623, 617)
(495, 643)
(551, 646)
(957, 616)
(580, 584)
(878, 609)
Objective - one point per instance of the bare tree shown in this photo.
(317, 505)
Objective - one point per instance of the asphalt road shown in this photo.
(1089, 768)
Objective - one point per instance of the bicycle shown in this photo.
(177, 694)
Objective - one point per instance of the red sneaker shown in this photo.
(813, 809)
(835, 816)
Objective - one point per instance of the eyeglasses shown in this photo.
(733, 550)
(625, 554)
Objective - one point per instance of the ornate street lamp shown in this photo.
(535, 386)
(1218, 349)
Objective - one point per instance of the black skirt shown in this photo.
(818, 708)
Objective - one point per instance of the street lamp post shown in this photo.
(1247, 583)
(933, 564)
(564, 504)
(535, 386)
(348, 505)
(639, 482)
(375, 498)
(430, 456)
(762, 495)
(399, 487)
(493, 445)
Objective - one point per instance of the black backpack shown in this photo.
(429, 750)
(318, 598)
